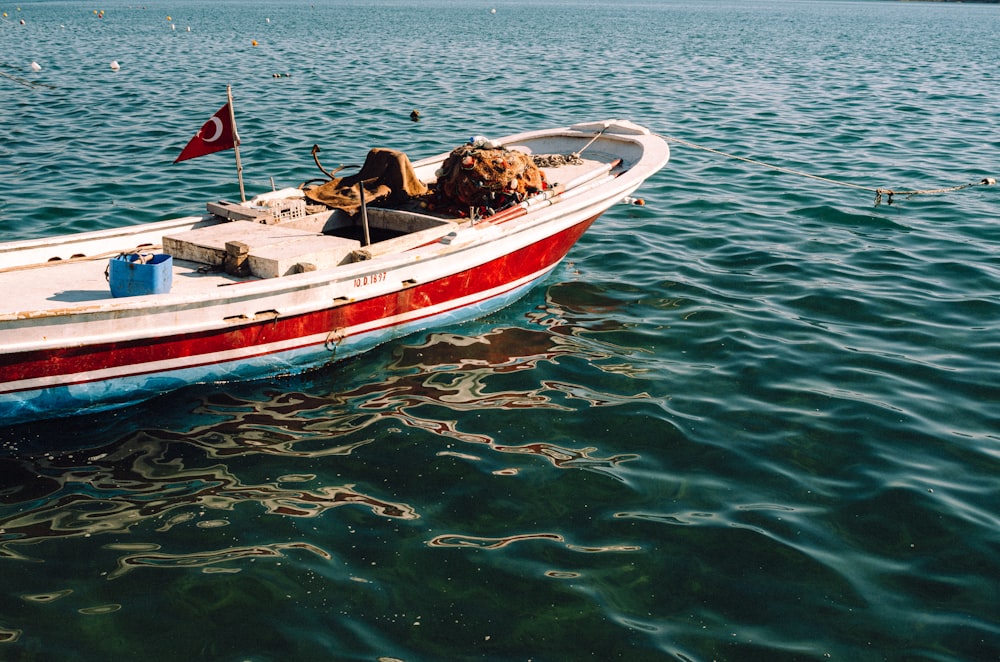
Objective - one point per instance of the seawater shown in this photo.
(755, 419)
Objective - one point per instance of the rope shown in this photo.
(607, 125)
(986, 181)
(879, 192)
(18, 79)
(81, 258)
(26, 82)
(556, 160)
(573, 158)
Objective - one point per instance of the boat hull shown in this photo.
(102, 376)
(314, 295)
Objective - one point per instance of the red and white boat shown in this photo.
(273, 286)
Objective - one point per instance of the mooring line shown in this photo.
(887, 193)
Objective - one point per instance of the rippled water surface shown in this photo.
(756, 419)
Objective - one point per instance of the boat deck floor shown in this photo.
(31, 289)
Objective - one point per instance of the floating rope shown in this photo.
(887, 193)
(26, 82)
(22, 81)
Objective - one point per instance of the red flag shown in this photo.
(216, 135)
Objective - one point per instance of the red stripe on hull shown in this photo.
(492, 274)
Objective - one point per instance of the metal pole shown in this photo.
(236, 143)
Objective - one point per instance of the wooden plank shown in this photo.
(208, 245)
(235, 212)
(284, 257)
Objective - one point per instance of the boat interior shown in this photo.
(276, 234)
(308, 242)
(280, 233)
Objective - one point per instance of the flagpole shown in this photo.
(236, 142)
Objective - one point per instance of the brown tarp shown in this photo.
(388, 179)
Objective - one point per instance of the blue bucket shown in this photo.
(130, 276)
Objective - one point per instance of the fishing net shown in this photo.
(490, 178)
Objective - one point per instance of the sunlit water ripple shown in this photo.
(754, 419)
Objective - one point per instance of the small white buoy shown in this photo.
(173, 26)
(35, 66)
(493, 11)
(268, 20)
(115, 66)
(189, 28)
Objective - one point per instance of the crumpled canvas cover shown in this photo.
(475, 176)
(388, 179)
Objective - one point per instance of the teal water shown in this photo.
(756, 419)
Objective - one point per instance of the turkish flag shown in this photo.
(216, 135)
